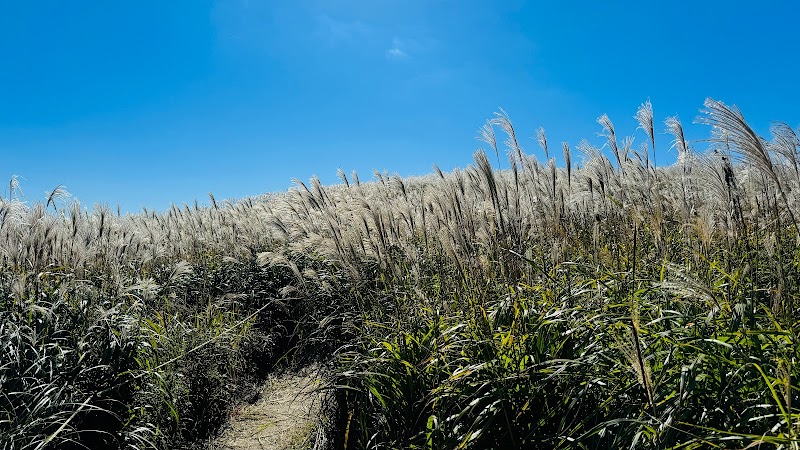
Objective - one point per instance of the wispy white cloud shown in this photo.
(396, 53)
(402, 48)
(336, 31)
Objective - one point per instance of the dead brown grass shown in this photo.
(283, 417)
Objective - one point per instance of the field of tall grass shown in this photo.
(606, 302)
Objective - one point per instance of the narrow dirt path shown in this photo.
(283, 418)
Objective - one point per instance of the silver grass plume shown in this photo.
(785, 144)
(14, 188)
(541, 138)
(731, 128)
(504, 122)
(644, 115)
(487, 135)
(675, 128)
(343, 176)
(59, 193)
(611, 136)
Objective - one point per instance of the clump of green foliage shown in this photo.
(587, 357)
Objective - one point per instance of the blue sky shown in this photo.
(148, 103)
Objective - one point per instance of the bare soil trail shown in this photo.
(284, 416)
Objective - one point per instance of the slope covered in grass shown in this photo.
(604, 303)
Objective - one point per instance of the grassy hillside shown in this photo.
(604, 303)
